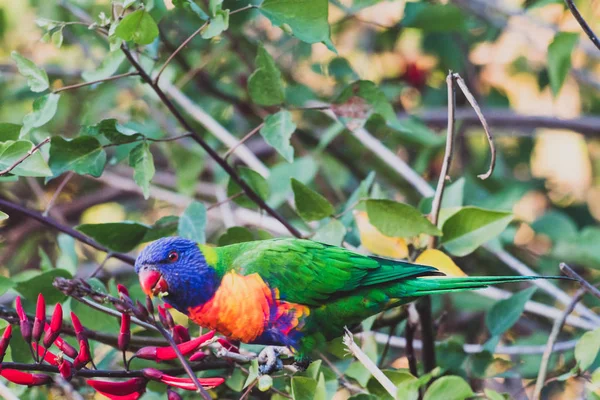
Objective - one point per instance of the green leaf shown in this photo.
(37, 79)
(112, 130)
(192, 6)
(3, 216)
(34, 165)
(82, 155)
(252, 373)
(42, 283)
(559, 59)
(5, 283)
(192, 222)
(580, 249)
(109, 65)
(188, 163)
(265, 382)
(556, 225)
(142, 162)
(117, 236)
(277, 131)
(252, 179)
(68, 256)
(303, 388)
(236, 234)
(44, 109)
(9, 131)
(587, 349)
(302, 169)
(166, 226)
(506, 312)
(139, 27)
(398, 219)
(397, 377)
(449, 388)
(471, 227)
(332, 233)
(57, 38)
(434, 17)
(217, 24)
(305, 19)
(265, 85)
(310, 205)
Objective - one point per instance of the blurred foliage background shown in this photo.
(531, 69)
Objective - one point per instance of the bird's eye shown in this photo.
(173, 256)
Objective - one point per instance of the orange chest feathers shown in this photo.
(244, 307)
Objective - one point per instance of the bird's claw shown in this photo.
(269, 360)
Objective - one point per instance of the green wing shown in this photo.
(311, 273)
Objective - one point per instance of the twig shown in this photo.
(111, 312)
(24, 157)
(8, 206)
(181, 46)
(586, 285)
(586, 28)
(57, 192)
(463, 86)
(242, 141)
(556, 328)
(83, 84)
(409, 333)
(184, 362)
(357, 352)
(101, 265)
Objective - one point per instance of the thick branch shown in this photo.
(9, 207)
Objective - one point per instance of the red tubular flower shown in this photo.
(181, 334)
(125, 333)
(5, 341)
(55, 326)
(228, 345)
(40, 319)
(62, 344)
(79, 331)
(172, 395)
(167, 353)
(65, 367)
(122, 289)
(84, 355)
(182, 383)
(133, 385)
(25, 378)
(49, 357)
(23, 321)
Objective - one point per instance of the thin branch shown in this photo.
(586, 28)
(486, 128)
(242, 141)
(101, 265)
(556, 328)
(409, 333)
(586, 285)
(83, 84)
(252, 195)
(181, 46)
(9, 207)
(57, 192)
(24, 157)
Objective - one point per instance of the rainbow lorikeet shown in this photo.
(286, 292)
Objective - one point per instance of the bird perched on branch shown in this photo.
(286, 292)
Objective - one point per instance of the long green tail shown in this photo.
(425, 286)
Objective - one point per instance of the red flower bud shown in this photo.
(165, 317)
(79, 331)
(122, 289)
(25, 378)
(5, 341)
(181, 334)
(228, 345)
(134, 385)
(40, 318)
(125, 333)
(140, 311)
(182, 383)
(84, 355)
(55, 326)
(49, 357)
(65, 367)
(149, 305)
(171, 395)
(24, 323)
(167, 352)
(198, 356)
(62, 344)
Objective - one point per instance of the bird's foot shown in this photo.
(269, 360)
(302, 364)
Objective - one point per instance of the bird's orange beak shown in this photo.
(152, 282)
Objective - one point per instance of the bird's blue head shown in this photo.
(176, 269)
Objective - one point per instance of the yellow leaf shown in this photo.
(441, 261)
(376, 242)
